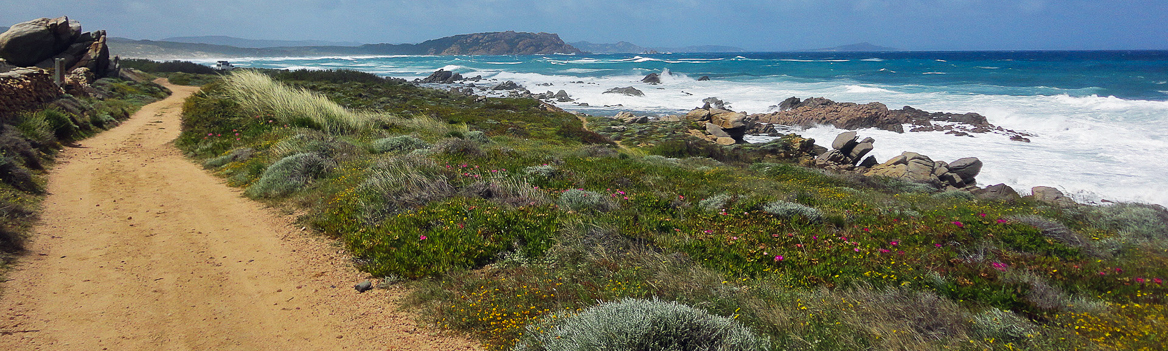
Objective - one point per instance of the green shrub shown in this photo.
(1133, 221)
(398, 144)
(477, 136)
(545, 171)
(459, 147)
(641, 325)
(715, 203)
(289, 174)
(1003, 325)
(237, 155)
(584, 200)
(62, 126)
(954, 195)
(786, 209)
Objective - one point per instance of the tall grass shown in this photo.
(257, 93)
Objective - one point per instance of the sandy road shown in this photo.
(140, 249)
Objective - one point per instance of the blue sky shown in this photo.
(752, 24)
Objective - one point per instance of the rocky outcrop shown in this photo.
(26, 44)
(42, 42)
(848, 153)
(442, 76)
(997, 192)
(652, 79)
(847, 115)
(630, 91)
(1052, 196)
(721, 123)
(630, 118)
(23, 89)
(508, 85)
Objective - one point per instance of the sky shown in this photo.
(757, 25)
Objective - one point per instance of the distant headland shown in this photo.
(494, 43)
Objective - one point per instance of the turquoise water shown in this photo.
(1100, 117)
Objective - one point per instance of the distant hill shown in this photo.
(255, 43)
(625, 47)
(861, 47)
(496, 43)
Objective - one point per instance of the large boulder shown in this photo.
(728, 119)
(442, 76)
(27, 43)
(630, 91)
(967, 168)
(909, 165)
(652, 79)
(1052, 196)
(997, 192)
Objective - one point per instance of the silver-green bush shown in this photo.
(714, 203)
(289, 174)
(240, 154)
(582, 200)
(641, 325)
(790, 209)
(546, 171)
(1002, 325)
(399, 143)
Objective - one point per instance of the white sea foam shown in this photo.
(873, 60)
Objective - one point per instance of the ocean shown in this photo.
(1100, 119)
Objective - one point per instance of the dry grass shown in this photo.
(258, 94)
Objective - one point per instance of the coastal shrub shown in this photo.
(12, 173)
(459, 147)
(145, 65)
(62, 126)
(784, 209)
(1003, 325)
(1054, 230)
(10, 242)
(289, 174)
(35, 128)
(401, 184)
(1133, 221)
(640, 324)
(331, 76)
(954, 195)
(715, 203)
(477, 136)
(237, 155)
(544, 171)
(259, 94)
(584, 200)
(13, 144)
(507, 190)
(399, 143)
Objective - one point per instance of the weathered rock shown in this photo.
(652, 79)
(562, 96)
(843, 140)
(508, 85)
(363, 286)
(26, 43)
(728, 119)
(704, 79)
(698, 115)
(1052, 196)
(630, 91)
(629, 118)
(714, 103)
(860, 150)
(909, 165)
(789, 103)
(442, 76)
(967, 168)
(716, 131)
(869, 162)
(725, 141)
(997, 192)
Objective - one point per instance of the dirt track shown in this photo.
(140, 249)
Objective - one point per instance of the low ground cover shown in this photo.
(510, 220)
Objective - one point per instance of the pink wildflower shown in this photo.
(1157, 281)
(895, 243)
(778, 258)
(423, 237)
(937, 245)
(856, 249)
(733, 238)
(1002, 221)
(958, 224)
(1140, 280)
